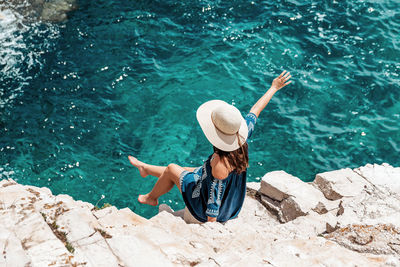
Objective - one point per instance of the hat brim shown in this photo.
(222, 141)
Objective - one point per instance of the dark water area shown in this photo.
(126, 77)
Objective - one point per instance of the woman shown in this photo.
(216, 190)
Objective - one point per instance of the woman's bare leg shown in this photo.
(164, 184)
(147, 169)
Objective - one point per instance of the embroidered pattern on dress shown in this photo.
(212, 188)
(253, 116)
(181, 180)
(251, 123)
(196, 191)
(213, 212)
(251, 127)
(196, 176)
(219, 193)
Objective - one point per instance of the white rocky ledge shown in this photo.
(343, 218)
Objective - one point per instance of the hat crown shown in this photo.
(227, 119)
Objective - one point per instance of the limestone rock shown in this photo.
(111, 217)
(311, 225)
(79, 223)
(296, 198)
(320, 208)
(13, 254)
(179, 213)
(7, 182)
(277, 185)
(270, 204)
(95, 251)
(34, 236)
(341, 183)
(318, 251)
(361, 228)
(371, 208)
(376, 239)
(134, 251)
(253, 209)
(56, 10)
(164, 207)
(49, 10)
(253, 187)
(385, 177)
(290, 210)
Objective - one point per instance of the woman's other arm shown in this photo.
(277, 84)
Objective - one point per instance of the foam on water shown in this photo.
(11, 52)
(19, 59)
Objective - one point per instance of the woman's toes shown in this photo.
(134, 161)
(141, 199)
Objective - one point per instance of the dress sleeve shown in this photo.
(251, 120)
(214, 199)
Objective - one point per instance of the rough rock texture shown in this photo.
(290, 196)
(383, 177)
(341, 183)
(377, 239)
(44, 10)
(359, 227)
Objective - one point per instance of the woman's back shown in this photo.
(206, 196)
(220, 167)
(217, 189)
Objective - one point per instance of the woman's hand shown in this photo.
(281, 81)
(278, 83)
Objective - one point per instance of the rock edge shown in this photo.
(343, 218)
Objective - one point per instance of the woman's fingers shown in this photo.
(287, 83)
(282, 80)
(286, 75)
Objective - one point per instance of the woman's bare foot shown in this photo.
(138, 164)
(145, 199)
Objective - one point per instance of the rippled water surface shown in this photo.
(126, 77)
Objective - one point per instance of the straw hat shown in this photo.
(220, 123)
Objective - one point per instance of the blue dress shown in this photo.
(205, 195)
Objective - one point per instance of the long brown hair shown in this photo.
(237, 159)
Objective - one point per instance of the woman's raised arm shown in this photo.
(277, 84)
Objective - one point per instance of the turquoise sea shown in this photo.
(126, 77)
